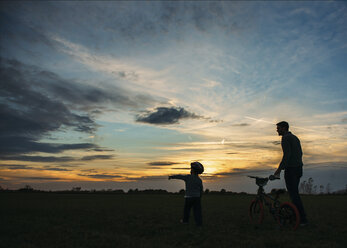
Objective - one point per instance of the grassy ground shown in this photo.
(109, 220)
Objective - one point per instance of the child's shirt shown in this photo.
(194, 186)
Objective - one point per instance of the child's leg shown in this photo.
(197, 211)
(188, 203)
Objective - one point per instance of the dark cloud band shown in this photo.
(164, 115)
(54, 159)
(35, 102)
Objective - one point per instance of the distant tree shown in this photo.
(315, 189)
(328, 188)
(321, 189)
(27, 188)
(223, 191)
(309, 186)
(182, 192)
(208, 191)
(76, 189)
(302, 187)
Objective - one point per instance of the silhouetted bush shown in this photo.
(27, 188)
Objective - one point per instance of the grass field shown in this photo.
(152, 220)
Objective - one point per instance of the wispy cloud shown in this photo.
(162, 163)
(101, 176)
(55, 159)
(16, 167)
(137, 76)
(94, 157)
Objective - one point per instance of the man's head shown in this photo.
(282, 127)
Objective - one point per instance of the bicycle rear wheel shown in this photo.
(288, 216)
(256, 211)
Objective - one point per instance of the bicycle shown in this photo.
(286, 214)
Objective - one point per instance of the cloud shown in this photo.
(101, 176)
(275, 143)
(15, 33)
(22, 144)
(40, 178)
(36, 102)
(147, 178)
(66, 165)
(306, 11)
(53, 159)
(94, 157)
(137, 20)
(25, 167)
(165, 115)
(241, 125)
(340, 164)
(48, 159)
(16, 166)
(28, 113)
(54, 169)
(162, 163)
(242, 171)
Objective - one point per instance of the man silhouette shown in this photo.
(292, 165)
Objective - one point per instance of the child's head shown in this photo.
(196, 168)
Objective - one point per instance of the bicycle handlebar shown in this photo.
(271, 177)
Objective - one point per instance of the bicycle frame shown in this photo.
(272, 203)
(286, 214)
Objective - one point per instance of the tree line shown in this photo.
(28, 188)
(308, 187)
(305, 187)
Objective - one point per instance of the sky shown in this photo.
(119, 95)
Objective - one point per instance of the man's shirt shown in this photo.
(292, 153)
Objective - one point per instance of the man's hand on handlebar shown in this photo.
(274, 177)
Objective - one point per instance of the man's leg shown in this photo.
(292, 178)
(197, 211)
(187, 207)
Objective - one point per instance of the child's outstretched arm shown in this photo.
(182, 177)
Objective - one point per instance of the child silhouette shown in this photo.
(193, 193)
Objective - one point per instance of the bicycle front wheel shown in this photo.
(288, 216)
(256, 211)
